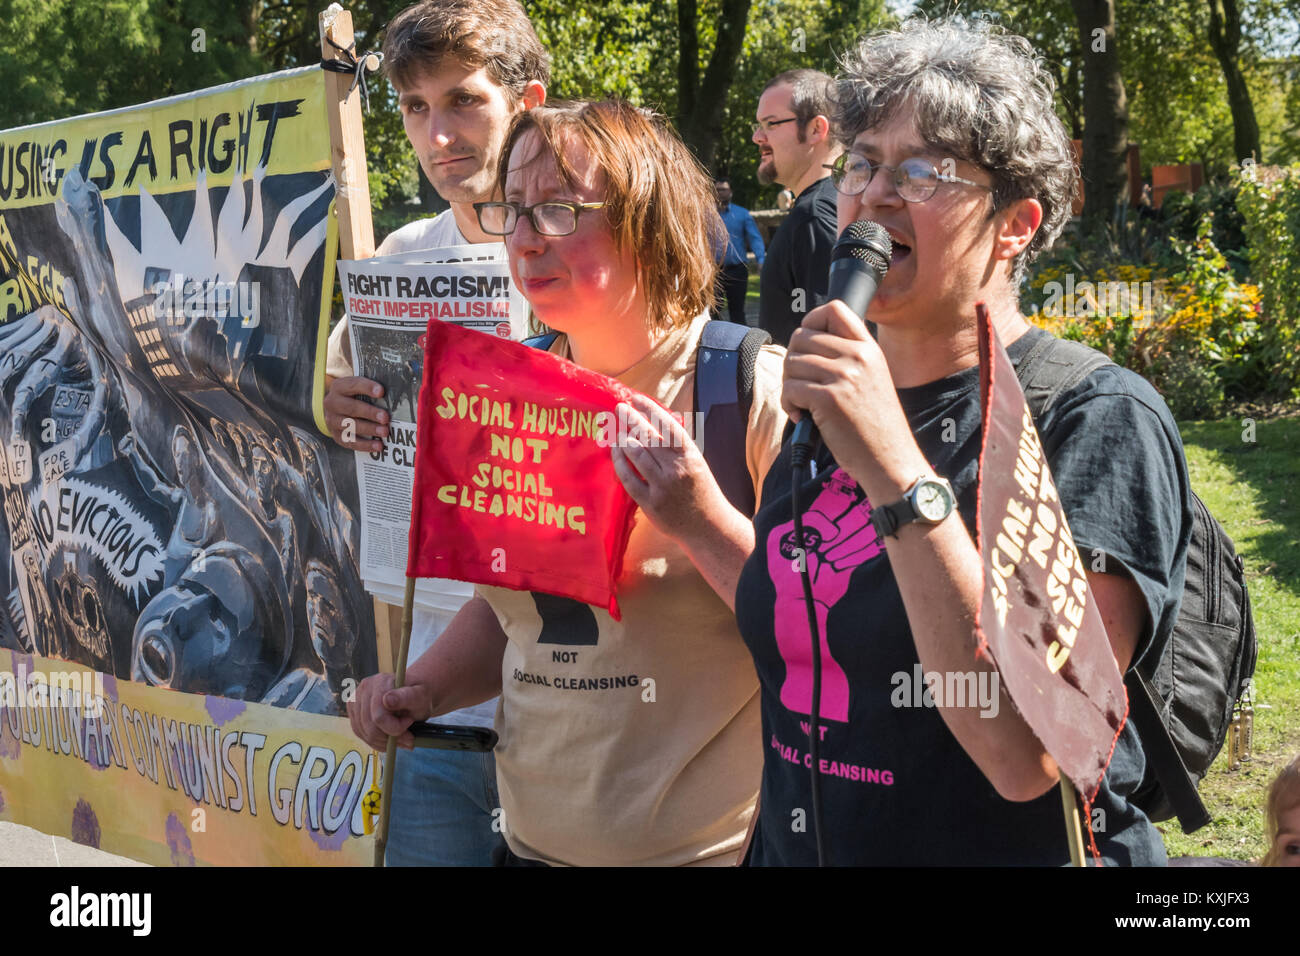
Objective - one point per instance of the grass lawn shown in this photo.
(1251, 487)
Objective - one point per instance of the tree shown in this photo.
(700, 100)
(1178, 112)
(1225, 40)
(621, 49)
(65, 58)
(1105, 111)
(1177, 100)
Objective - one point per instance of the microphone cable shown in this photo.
(859, 262)
(800, 457)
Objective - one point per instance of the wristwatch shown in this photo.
(929, 500)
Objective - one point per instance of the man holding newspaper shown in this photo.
(462, 69)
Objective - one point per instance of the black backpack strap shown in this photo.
(1050, 368)
(543, 341)
(724, 394)
(1053, 366)
(1250, 652)
(1162, 753)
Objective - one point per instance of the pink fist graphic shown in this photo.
(838, 536)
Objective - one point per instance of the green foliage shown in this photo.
(625, 49)
(1216, 341)
(1177, 97)
(1178, 100)
(1182, 320)
(1276, 94)
(1270, 207)
(64, 58)
(1183, 215)
(391, 166)
(1287, 150)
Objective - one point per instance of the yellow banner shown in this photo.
(277, 121)
(177, 779)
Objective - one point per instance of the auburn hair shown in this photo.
(659, 201)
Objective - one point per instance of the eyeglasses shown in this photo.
(915, 179)
(547, 218)
(766, 125)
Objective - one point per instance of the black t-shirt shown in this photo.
(897, 788)
(799, 258)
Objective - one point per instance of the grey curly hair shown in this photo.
(978, 93)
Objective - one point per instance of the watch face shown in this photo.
(933, 501)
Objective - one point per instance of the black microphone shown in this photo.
(859, 262)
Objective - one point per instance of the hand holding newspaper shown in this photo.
(390, 302)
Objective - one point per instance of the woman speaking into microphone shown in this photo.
(954, 148)
(610, 225)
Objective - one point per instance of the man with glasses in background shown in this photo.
(796, 143)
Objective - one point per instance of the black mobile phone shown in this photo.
(446, 737)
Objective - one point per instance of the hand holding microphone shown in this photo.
(829, 360)
(859, 262)
(836, 374)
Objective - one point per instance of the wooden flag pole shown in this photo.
(390, 757)
(352, 206)
(1073, 831)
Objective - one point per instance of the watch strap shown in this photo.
(887, 519)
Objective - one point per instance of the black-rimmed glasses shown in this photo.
(767, 125)
(547, 218)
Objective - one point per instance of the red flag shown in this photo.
(514, 485)
(1038, 620)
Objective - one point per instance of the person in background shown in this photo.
(796, 142)
(462, 69)
(742, 238)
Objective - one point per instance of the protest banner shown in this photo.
(1038, 620)
(515, 485)
(176, 779)
(173, 516)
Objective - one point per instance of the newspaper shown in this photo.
(389, 302)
